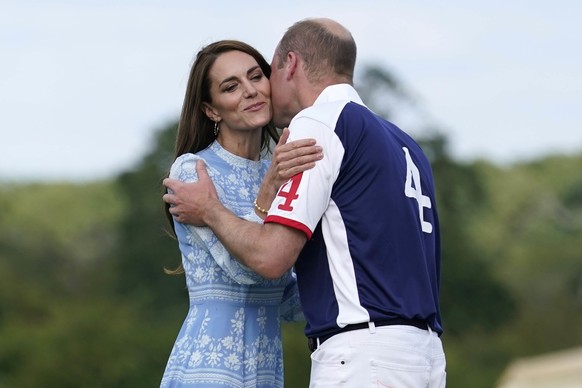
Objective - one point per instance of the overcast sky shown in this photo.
(85, 84)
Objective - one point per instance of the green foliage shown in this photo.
(296, 356)
(59, 323)
(147, 247)
(55, 235)
(98, 346)
(475, 303)
(535, 250)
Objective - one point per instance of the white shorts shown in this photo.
(380, 357)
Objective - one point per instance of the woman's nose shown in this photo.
(250, 90)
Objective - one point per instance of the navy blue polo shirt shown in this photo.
(369, 212)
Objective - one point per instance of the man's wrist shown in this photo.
(212, 211)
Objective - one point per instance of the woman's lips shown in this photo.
(255, 107)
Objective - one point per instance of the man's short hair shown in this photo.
(327, 49)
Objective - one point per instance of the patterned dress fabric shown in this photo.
(231, 336)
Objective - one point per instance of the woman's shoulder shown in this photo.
(184, 164)
(188, 157)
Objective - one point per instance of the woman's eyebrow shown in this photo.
(234, 77)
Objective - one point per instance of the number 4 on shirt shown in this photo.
(413, 177)
(291, 194)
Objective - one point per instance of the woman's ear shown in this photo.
(210, 112)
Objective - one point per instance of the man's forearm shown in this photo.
(231, 231)
(269, 250)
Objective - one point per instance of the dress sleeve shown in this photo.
(184, 169)
(290, 309)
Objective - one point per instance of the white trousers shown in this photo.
(380, 357)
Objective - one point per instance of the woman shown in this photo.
(231, 336)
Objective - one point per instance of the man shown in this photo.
(361, 227)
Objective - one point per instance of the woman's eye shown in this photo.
(230, 88)
(257, 77)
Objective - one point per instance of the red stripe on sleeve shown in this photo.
(291, 223)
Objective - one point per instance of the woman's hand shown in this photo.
(289, 159)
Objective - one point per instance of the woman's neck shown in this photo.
(246, 144)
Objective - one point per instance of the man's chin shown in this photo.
(281, 123)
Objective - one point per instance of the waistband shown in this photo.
(314, 342)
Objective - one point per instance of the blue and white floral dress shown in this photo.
(231, 336)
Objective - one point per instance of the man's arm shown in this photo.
(268, 249)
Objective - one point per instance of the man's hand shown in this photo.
(190, 202)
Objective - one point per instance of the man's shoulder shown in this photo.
(326, 112)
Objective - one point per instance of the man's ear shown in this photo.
(210, 112)
(291, 64)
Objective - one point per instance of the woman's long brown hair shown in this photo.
(195, 129)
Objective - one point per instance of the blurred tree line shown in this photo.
(84, 301)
